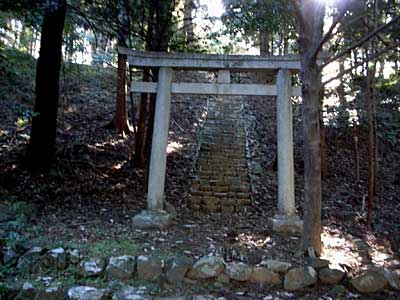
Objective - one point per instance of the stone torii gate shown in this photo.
(286, 219)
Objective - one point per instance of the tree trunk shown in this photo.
(42, 144)
(188, 27)
(140, 133)
(264, 42)
(371, 153)
(310, 34)
(121, 112)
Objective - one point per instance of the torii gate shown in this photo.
(286, 218)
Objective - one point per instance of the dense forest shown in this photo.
(76, 149)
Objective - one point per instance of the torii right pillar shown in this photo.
(286, 220)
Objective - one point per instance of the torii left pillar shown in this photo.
(155, 216)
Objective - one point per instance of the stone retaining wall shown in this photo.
(180, 271)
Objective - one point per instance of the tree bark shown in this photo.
(42, 144)
(311, 16)
(188, 27)
(371, 153)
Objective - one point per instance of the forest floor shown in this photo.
(93, 189)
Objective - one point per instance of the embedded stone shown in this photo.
(299, 278)
(330, 276)
(238, 271)
(264, 276)
(177, 269)
(223, 278)
(27, 292)
(121, 267)
(87, 293)
(74, 256)
(55, 259)
(10, 256)
(30, 261)
(92, 267)
(131, 293)
(207, 267)
(148, 219)
(51, 293)
(148, 268)
(276, 266)
(369, 282)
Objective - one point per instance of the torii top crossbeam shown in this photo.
(194, 61)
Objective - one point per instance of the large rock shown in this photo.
(299, 278)
(369, 282)
(238, 271)
(264, 276)
(55, 259)
(276, 266)
(92, 267)
(177, 268)
(28, 292)
(31, 260)
(148, 268)
(130, 293)
(207, 267)
(330, 276)
(87, 293)
(149, 219)
(393, 279)
(121, 267)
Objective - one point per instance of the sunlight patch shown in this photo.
(173, 147)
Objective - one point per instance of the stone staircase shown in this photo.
(222, 183)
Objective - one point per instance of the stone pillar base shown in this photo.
(151, 219)
(286, 224)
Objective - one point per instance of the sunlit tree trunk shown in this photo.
(311, 20)
(42, 144)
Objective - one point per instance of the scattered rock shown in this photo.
(55, 259)
(276, 266)
(87, 293)
(28, 292)
(299, 278)
(223, 278)
(207, 267)
(30, 261)
(264, 276)
(238, 271)
(121, 267)
(393, 278)
(148, 219)
(74, 256)
(330, 276)
(369, 282)
(148, 268)
(92, 267)
(177, 269)
(130, 293)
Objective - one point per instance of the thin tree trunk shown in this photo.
(371, 153)
(121, 111)
(356, 158)
(42, 144)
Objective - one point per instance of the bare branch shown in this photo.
(360, 42)
(369, 58)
